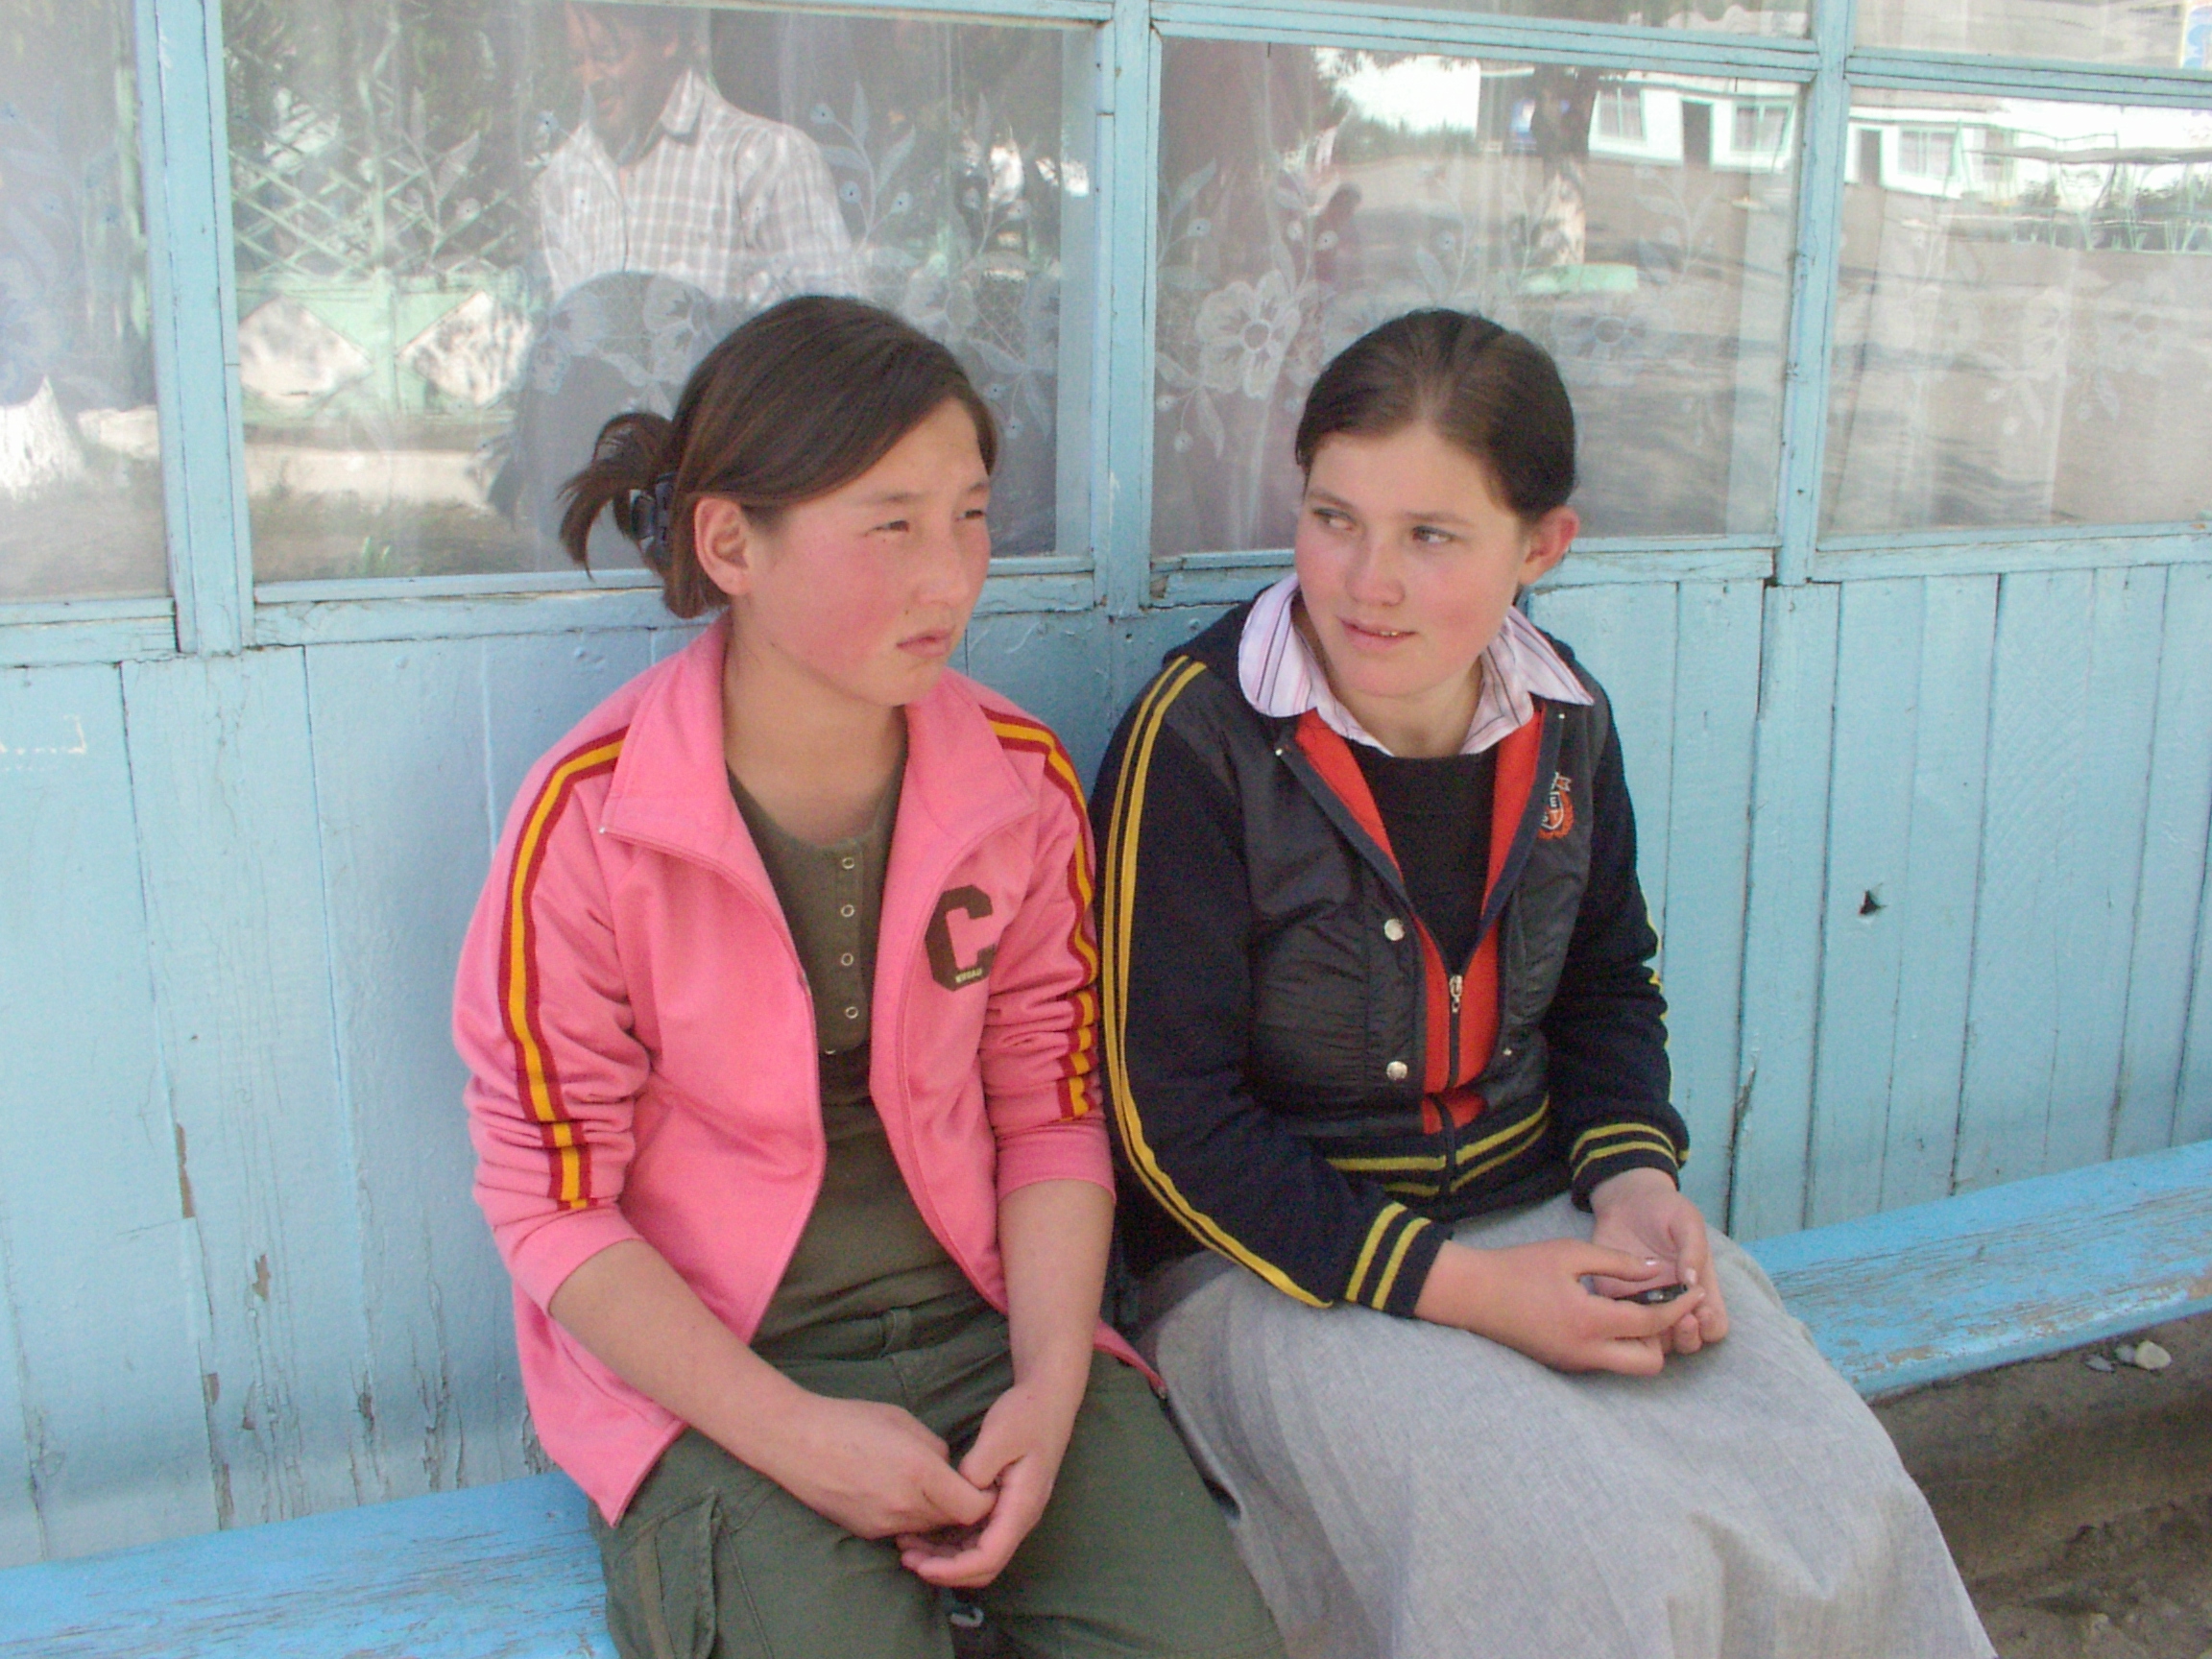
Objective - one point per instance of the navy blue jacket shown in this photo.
(1298, 1079)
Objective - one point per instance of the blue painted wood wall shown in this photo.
(1924, 828)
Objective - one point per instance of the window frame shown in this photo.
(214, 608)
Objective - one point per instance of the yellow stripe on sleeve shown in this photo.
(1121, 906)
(1381, 1296)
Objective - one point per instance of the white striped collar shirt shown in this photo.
(1281, 676)
(738, 206)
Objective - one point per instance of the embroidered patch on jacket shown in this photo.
(944, 964)
(1558, 810)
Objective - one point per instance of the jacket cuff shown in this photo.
(541, 1258)
(1394, 1260)
(1604, 1151)
(1065, 1150)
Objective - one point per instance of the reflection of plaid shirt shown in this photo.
(739, 207)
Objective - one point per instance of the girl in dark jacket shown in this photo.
(1387, 1062)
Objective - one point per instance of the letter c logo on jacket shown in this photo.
(944, 964)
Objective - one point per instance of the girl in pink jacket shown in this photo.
(780, 1012)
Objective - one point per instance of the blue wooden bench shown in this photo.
(509, 1572)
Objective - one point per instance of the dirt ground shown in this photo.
(2078, 1501)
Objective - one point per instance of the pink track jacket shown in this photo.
(642, 1043)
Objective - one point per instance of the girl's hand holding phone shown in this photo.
(1533, 1298)
(1642, 1213)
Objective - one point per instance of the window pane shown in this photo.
(2025, 322)
(470, 232)
(1636, 225)
(1724, 16)
(2165, 33)
(76, 423)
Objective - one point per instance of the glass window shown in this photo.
(77, 421)
(468, 234)
(1307, 195)
(1724, 16)
(2025, 322)
(2157, 34)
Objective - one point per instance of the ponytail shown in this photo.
(798, 401)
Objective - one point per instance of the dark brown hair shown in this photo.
(1494, 393)
(795, 403)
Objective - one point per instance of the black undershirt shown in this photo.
(1437, 814)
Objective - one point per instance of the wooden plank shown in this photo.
(2172, 889)
(1389, 26)
(1810, 355)
(504, 1572)
(2040, 722)
(1708, 835)
(2095, 898)
(2193, 1109)
(1625, 635)
(2007, 552)
(99, 640)
(193, 321)
(537, 686)
(2003, 1275)
(1056, 667)
(1943, 859)
(1128, 212)
(103, 1434)
(464, 607)
(223, 785)
(1782, 932)
(399, 769)
(21, 1536)
(1878, 669)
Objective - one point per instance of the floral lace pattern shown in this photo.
(1309, 195)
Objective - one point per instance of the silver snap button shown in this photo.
(1393, 930)
(852, 1013)
(1506, 1052)
(847, 911)
(846, 961)
(845, 863)
(1395, 1070)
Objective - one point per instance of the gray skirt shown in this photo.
(1408, 1490)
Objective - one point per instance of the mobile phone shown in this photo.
(1657, 1294)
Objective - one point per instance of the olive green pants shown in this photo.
(1131, 1557)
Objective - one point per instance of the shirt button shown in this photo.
(1395, 1070)
(845, 863)
(847, 911)
(846, 961)
(852, 1013)
(1393, 930)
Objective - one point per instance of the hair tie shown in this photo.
(651, 514)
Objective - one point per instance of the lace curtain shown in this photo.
(1639, 226)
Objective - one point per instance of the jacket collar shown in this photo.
(671, 789)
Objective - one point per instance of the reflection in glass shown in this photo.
(470, 232)
(77, 422)
(2157, 34)
(1636, 224)
(2024, 330)
(1724, 16)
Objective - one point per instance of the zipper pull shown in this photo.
(1457, 983)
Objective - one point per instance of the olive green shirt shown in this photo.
(866, 1249)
